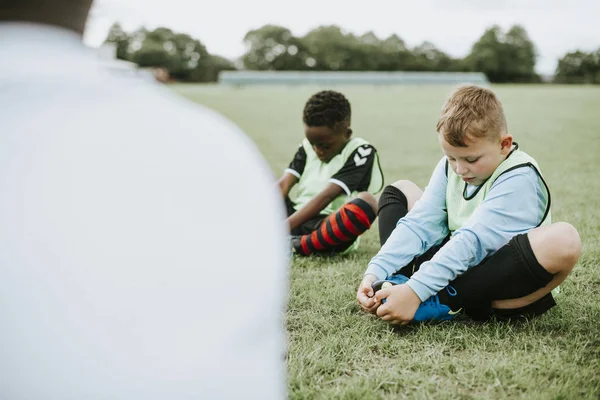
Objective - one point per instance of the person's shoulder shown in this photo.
(358, 147)
(304, 143)
(156, 107)
(153, 113)
(362, 142)
(442, 165)
(523, 176)
(160, 103)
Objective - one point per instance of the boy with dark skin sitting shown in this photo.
(335, 176)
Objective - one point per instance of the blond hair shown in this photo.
(471, 111)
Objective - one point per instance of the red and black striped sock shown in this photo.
(338, 231)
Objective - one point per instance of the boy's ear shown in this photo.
(506, 142)
(348, 132)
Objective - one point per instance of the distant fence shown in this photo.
(349, 78)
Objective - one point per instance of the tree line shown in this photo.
(503, 56)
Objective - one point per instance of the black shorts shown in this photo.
(520, 275)
(307, 227)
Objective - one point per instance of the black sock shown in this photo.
(339, 230)
(393, 205)
(446, 300)
(479, 311)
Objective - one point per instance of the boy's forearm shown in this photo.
(400, 249)
(283, 188)
(451, 261)
(377, 271)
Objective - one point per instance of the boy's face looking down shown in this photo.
(327, 142)
(473, 133)
(476, 162)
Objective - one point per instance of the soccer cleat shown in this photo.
(296, 245)
(391, 281)
(432, 310)
(429, 310)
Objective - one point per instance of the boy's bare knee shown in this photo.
(369, 199)
(557, 247)
(404, 184)
(410, 190)
(571, 242)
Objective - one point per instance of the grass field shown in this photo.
(337, 351)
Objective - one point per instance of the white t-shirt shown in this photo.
(142, 244)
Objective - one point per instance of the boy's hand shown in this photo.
(400, 306)
(365, 294)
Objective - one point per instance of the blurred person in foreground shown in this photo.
(117, 278)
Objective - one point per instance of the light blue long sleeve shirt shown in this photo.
(515, 204)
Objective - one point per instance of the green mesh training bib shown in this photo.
(461, 206)
(317, 174)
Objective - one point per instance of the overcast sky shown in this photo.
(555, 26)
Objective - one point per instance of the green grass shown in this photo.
(337, 351)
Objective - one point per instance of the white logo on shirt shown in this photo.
(364, 152)
(359, 161)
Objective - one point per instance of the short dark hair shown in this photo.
(327, 108)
